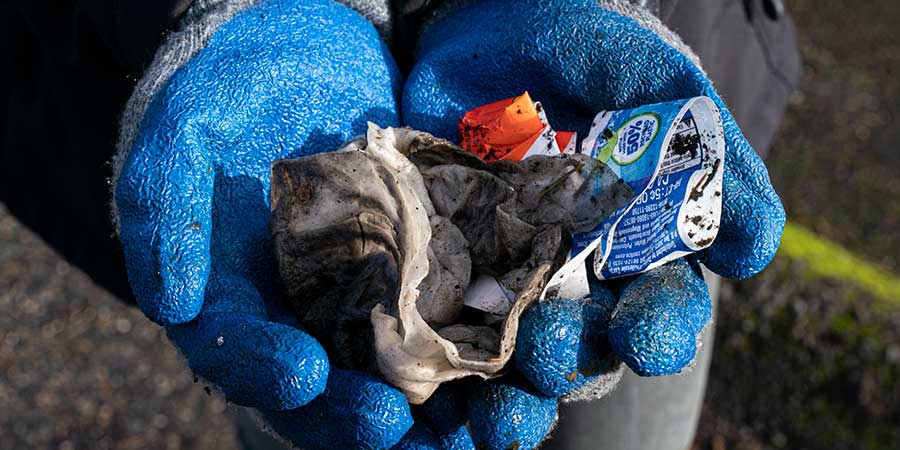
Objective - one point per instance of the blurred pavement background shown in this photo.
(79, 369)
(808, 353)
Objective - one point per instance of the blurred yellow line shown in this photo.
(828, 259)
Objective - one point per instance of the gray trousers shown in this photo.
(642, 413)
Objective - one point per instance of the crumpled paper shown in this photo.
(378, 241)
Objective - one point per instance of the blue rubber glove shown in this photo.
(578, 58)
(281, 79)
(441, 421)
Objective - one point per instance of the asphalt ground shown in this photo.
(81, 369)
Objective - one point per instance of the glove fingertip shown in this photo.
(458, 439)
(651, 350)
(742, 254)
(167, 308)
(445, 410)
(168, 280)
(356, 410)
(419, 437)
(661, 314)
(562, 345)
(504, 416)
(254, 362)
(164, 233)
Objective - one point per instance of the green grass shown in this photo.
(827, 259)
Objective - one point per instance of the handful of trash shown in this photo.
(409, 256)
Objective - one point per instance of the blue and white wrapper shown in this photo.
(673, 156)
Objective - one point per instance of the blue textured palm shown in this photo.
(578, 59)
(280, 80)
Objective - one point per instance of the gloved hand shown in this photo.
(441, 421)
(580, 57)
(240, 86)
(569, 350)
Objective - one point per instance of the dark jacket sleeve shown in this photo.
(68, 71)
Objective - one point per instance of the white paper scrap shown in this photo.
(487, 294)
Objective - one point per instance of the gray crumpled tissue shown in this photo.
(378, 241)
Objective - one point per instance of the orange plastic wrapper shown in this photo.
(566, 141)
(510, 129)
